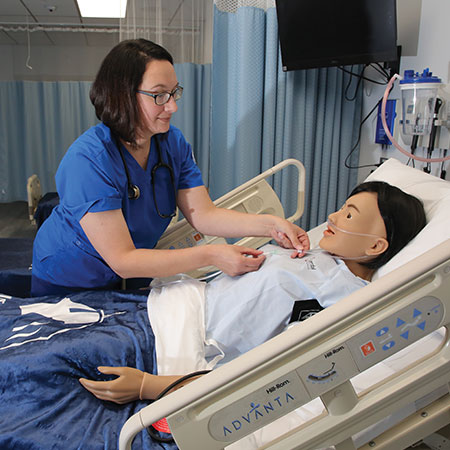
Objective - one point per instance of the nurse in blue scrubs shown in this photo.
(121, 181)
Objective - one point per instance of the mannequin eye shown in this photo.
(349, 215)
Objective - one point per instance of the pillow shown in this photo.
(435, 195)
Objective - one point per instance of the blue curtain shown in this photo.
(261, 116)
(193, 117)
(40, 120)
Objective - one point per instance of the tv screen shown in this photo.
(326, 33)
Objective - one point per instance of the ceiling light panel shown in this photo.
(103, 8)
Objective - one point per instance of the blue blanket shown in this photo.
(46, 345)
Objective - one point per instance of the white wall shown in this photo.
(51, 63)
(433, 51)
(7, 66)
(77, 56)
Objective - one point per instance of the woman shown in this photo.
(121, 181)
(375, 223)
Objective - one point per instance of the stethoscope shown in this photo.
(133, 190)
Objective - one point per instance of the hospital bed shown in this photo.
(386, 325)
(46, 344)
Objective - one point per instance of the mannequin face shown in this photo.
(360, 214)
(158, 77)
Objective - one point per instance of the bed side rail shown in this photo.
(255, 196)
(318, 359)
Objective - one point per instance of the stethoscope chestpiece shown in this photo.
(133, 191)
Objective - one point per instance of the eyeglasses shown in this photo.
(163, 97)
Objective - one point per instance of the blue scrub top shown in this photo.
(92, 178)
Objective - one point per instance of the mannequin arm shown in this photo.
(131, 384)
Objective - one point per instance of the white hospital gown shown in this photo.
(243, 312)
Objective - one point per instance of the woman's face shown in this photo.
(360, 214)
(159, 77)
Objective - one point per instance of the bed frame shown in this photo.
(318, 359)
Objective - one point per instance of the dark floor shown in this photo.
(14, 221)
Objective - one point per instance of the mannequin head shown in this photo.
(383, 218)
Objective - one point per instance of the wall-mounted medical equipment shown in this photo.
(425, 107)
(419, 93)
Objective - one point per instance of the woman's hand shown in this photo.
(121, 390)
(234, 259)
(289, 235)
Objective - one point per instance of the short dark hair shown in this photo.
(113, 92)
(403, 216)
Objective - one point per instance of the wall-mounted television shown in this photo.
(326, 33)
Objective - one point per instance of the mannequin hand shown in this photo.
(236, 260)
(121, 390)
(289, 235)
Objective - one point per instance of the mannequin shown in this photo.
(374, 224)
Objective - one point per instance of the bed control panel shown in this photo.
(396, 332)
(371, 346)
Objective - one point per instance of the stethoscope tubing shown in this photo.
(133, 190)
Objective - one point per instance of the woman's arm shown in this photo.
(108, 233)
(204, 216)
